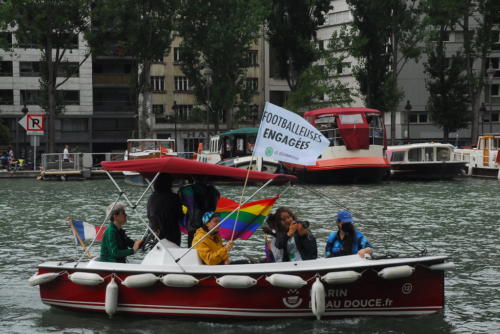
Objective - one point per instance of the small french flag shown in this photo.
(88, 231)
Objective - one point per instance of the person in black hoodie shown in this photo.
(291, 239)
(165, 210)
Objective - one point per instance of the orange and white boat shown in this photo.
(357, 147)
(484, 160)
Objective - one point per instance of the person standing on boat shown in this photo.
(347, 240)
(210, 249)
(165, 210)
(116, 245)
(198, 197)
(292, 239)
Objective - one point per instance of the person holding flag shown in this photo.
(210, 248)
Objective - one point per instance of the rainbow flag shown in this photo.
(250, 218)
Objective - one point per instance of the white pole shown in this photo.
(34, 153)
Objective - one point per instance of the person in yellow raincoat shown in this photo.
(211, 250)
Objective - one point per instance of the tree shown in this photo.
(320, 84)
(478, 42)
(291, 30)
(388, 33)
(51, 26)
(144, 29)
(446, 82)
(217, 36)
(447, 85)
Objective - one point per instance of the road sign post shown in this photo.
(34, 124)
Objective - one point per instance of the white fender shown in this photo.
(140, 281)
(37, 279)
(111, 300)
(396, 272)
(89, 279)
(286, 281)
(236, 281)
(443, 266)
(179, 280)
(341, 277)
(318, 298)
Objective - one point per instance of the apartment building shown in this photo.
(176, 114)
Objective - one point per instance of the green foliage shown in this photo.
(291, 29)
(5, 138)
(388, 33)
(320, 85)
(217, 36)
(447, 85)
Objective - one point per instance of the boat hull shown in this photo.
(348, 175)
(427, 171)
(371, 295)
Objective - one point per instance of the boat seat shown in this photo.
(165, 253)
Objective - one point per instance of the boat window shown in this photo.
(327, 125)
(398, 156)
(351, 119)
(429, 154)
(443, 154)
(415, 154)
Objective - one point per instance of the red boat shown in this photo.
(357, 147)
(172, 281)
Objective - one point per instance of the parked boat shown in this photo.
(424, 161)
(146, 149)
(171, 281)
(484, 160)
(234, 149)
(356, 151)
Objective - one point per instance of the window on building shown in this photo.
(181, 84)
(422, 118)
(158, 109)
(69, 69)
(321, 45)
(493, 63)
(6, 96)
(495, 117)
(6, 39)
(30, 96)
(191, 144)
(252, 84)
(342, 67)
(70, 40)
(70, 97)
(5, 68)
(158, 83)
(29, 68)
(495, 90)
(166, 135)
(74, 125)
(184, 112)
(418, 117)
(252, 58)
(177, 55)
(27, 42)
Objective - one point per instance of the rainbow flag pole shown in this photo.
(245, 222)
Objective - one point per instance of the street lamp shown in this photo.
(482, 109)
(174, 108)
(208, 83)
(408, 108)
(491, 73)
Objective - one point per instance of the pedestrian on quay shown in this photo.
(66, 153)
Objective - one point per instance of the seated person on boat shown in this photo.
(116, 245)
(210, 248)
(347, 240)
(290, 239)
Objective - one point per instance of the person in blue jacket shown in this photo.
(347, 240)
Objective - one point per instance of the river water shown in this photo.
(458, 218)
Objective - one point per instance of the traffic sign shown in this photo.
(34, 124)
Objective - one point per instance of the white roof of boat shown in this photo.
(417, 145)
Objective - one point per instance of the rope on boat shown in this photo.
(421, 252)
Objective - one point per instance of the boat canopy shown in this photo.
(184, 169)
(242, 131)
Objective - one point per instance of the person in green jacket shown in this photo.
(116, 245)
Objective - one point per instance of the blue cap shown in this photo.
(344, 216)
(208, 215)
